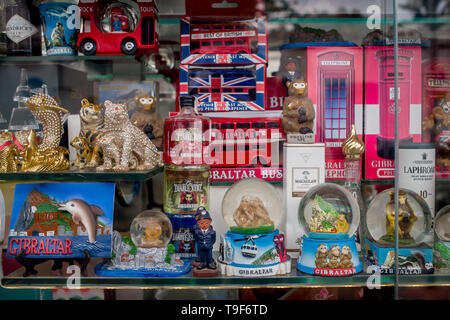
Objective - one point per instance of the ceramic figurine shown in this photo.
(298, 111)
(253, 247)
(406, 219)
(329, 216)
(91, 120)
(291, 71)
(147, 252)
(147, 119)
(125, 146)
(439, 124)
(45, 155)
(205, 237)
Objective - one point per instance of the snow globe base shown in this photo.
(412, 260)
(441, 255)
(253, 255)
(131, 261)
(331, 258)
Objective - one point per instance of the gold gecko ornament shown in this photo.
(47, 155)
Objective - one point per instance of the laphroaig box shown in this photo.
(379, 115)
(304, 167)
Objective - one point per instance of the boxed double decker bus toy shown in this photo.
(224, 87)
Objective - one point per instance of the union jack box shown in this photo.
(224, 87)
(223, 41)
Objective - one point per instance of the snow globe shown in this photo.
(415, 236)
(441, 253)
(146, 252)
(253, 246)
(329, 217)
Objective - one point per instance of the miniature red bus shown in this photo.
(131, 28)
(224, 38)
(241, 142)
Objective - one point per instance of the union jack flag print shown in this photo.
(224, 88)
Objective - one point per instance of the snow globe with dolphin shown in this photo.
(329, 217)
(253, 246)
(146, 252)
(415, 233)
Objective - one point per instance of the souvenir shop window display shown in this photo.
(147, 252)
(441, 249)
(253, 247)
(415, 236)
(329, 217)
(118, 27)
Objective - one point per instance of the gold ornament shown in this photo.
(47, 155)
(8, 152)
(353, 147)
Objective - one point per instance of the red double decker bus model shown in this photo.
(118, 27)
(241, 142)
(224, 38)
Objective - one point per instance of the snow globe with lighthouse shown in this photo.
(329, 216)
(253, 246)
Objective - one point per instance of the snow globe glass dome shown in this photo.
(328, 211)
(151, 229)
(414, 221)
(441, 252)
(252, 206)
(120, 16)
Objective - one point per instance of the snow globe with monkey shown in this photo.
(329, 216)
(146, 251)
(253, 246)
(415, 236)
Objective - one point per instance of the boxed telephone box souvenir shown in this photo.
(335, 87)
(333, 74)
(304, 167)
(223, 41)
(225, 88)
(436, 111)
(379, 115)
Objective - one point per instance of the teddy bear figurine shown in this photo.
(298, 109)
(147, 119)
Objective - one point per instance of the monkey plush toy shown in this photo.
(298, 110)
(146, 118)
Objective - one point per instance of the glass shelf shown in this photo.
(295, 279)
(81, 175)
(61, 58)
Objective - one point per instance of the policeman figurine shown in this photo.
(205, 237)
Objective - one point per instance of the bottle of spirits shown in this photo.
(353, 148)
(186, 171)
(186, 135)
(19, 28)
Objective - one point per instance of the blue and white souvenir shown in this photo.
(329, 216)
(253, 247)
(147, 252)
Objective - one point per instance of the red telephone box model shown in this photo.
(386, 138)
(118, 27)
